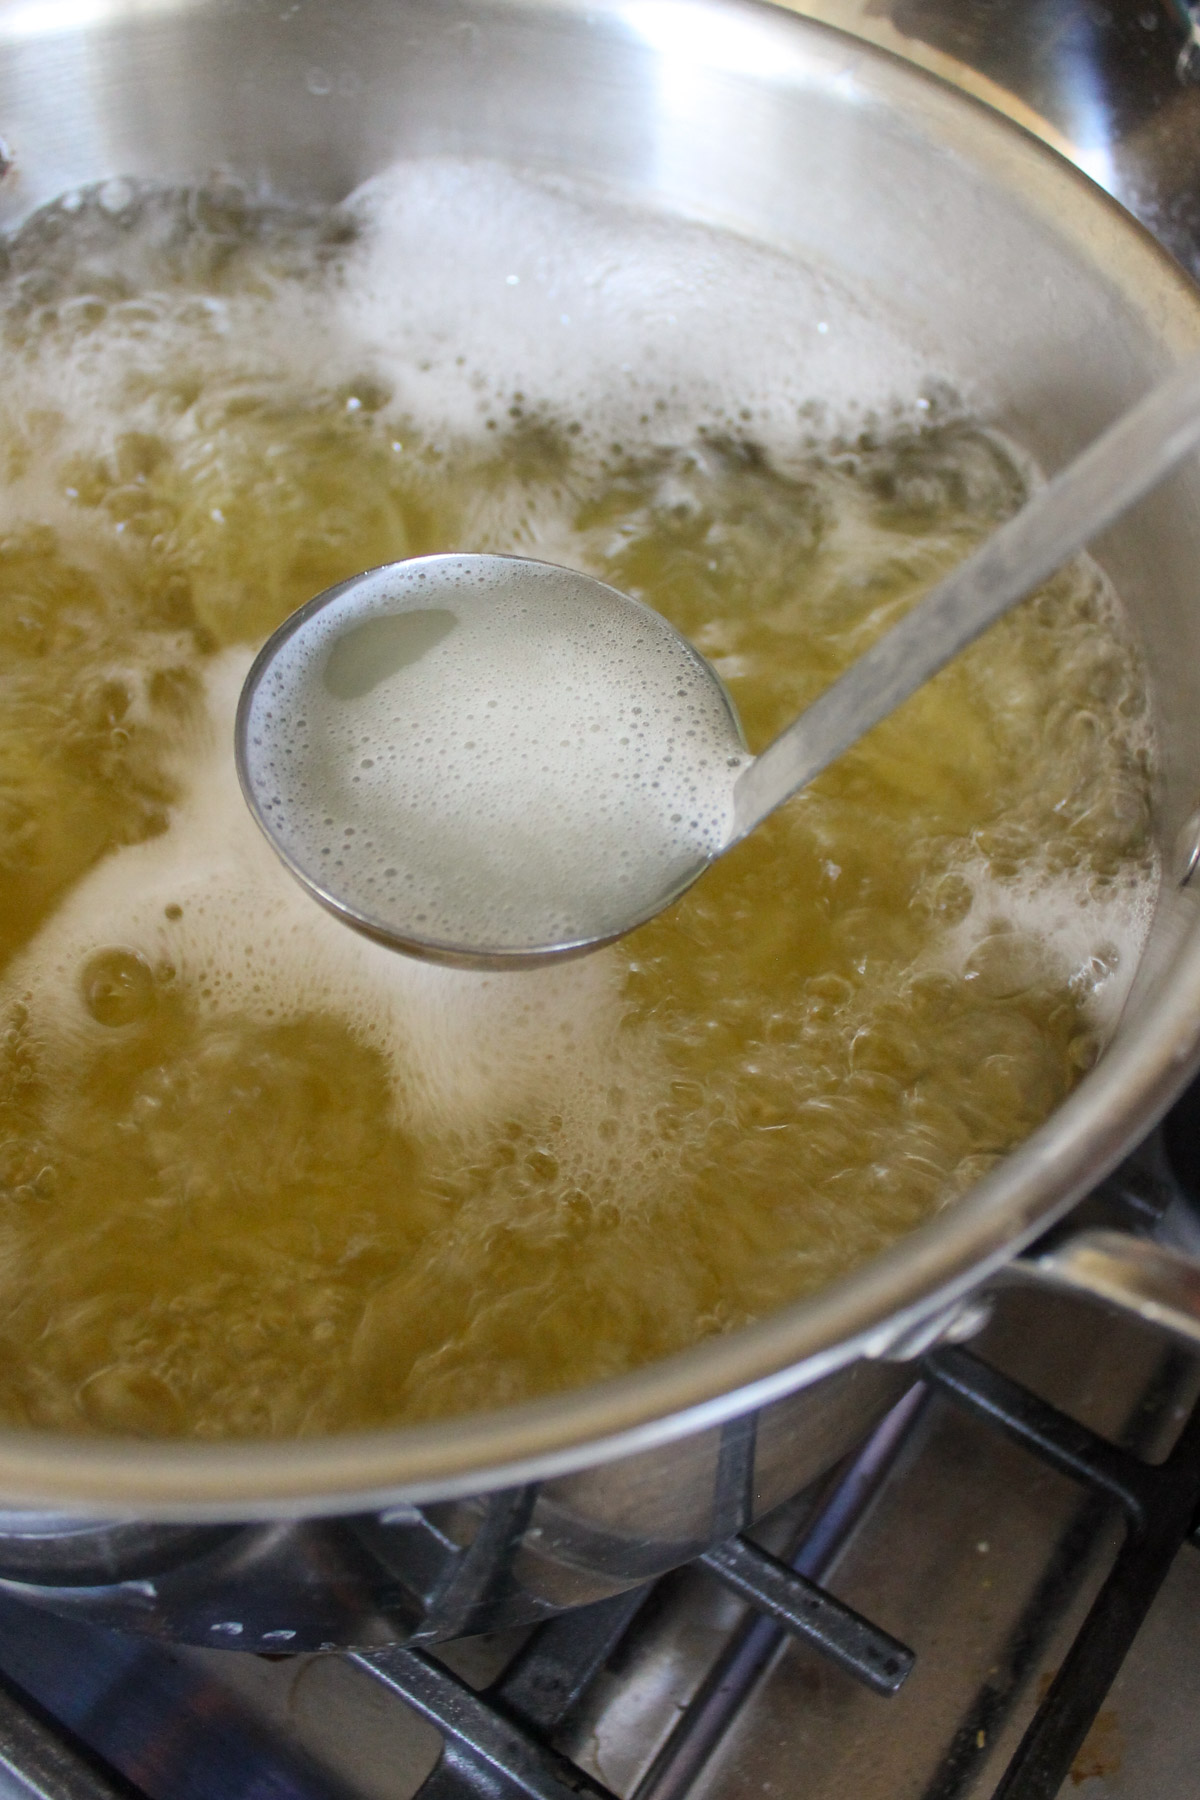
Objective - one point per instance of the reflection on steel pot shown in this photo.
(1054, 313)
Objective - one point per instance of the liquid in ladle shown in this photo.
(483, 752)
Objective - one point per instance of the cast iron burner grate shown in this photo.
(496, 1742)
(499, 1742)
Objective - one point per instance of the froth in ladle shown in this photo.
(481, 757)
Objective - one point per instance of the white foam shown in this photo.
(471, 288)
(463, 1048)
(1071, 929)
(472, 283)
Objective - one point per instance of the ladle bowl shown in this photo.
(486, 760)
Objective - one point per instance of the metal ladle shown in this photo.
(493, 762)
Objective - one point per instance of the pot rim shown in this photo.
(863, 1312)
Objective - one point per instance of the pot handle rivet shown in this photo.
(1186, 858)
(953, 1324)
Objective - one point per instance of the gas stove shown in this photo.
(993, 1599)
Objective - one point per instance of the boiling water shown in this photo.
(262, 1176)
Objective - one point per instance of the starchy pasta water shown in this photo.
(260, 1176)
(488, 754)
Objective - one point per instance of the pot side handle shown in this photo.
(1159, 1286)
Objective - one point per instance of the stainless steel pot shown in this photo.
(1057, 312)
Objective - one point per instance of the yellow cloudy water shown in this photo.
(259, 1176)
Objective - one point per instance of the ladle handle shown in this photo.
(1122, 465)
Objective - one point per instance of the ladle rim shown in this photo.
(369, 925)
